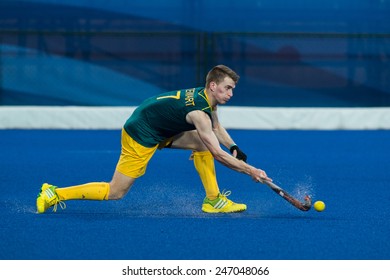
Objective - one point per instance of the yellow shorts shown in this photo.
(134, 157)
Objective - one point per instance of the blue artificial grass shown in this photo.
(161, 217)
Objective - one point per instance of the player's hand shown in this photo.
(237, 153)
(259, 175)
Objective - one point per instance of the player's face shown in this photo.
(224, 90)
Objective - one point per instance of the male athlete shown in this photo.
(183, 119)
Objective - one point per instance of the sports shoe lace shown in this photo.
(224, 194)
(58, 202)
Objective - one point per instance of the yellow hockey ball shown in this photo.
(319, 206)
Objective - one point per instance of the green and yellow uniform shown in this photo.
(164, 116)
(157, 119)
(152, 125)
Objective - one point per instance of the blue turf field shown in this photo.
(161, 216)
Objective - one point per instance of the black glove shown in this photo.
(240, 154)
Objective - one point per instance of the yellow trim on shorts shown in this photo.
(134, 157)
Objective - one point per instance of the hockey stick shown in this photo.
(304, 206)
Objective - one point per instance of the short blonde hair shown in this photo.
(218, 73)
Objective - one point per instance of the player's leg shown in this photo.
(52, 196)
(203, 160)
(120, 185)
(116, 189)
(215, 202)
(131, 165)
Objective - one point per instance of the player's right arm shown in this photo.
(203, 126)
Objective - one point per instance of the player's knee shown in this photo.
(117, 192)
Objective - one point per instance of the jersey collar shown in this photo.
(207, 99)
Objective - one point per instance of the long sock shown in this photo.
(204, 164)
(89, 191)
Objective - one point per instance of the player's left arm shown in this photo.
(225, 139)
(203, 126)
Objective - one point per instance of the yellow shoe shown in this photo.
(47, 198)
(222, 204)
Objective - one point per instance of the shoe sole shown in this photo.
(209, 209)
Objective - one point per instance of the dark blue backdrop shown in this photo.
(289, 53)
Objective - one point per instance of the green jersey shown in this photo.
(164, 116)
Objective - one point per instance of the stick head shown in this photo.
(307, 203)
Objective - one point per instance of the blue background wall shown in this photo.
(288, 53)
